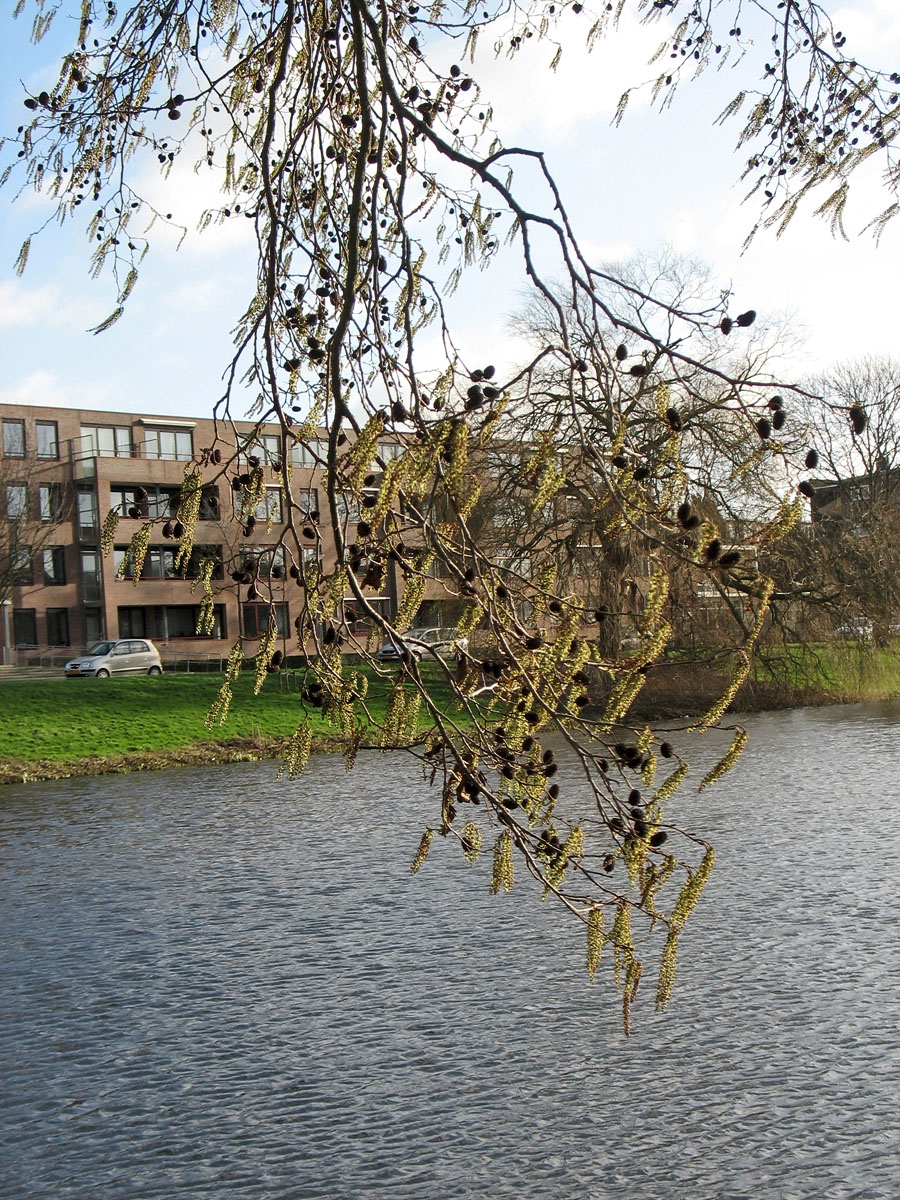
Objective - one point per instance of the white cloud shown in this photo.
(27, 306)
(528, 98)
(46, 388)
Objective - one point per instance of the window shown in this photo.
(90, 577)
(13, 439)
(51, 498)
(87, 513)
(307, 501)
(352, 509)
(159, 563)
(358, 621)
(268, 508)
(169, 443)
(209, 504)
(24, 627)
(131, 622)
(255, 619)
(137, 501)
(47, 440)
(57, 627)
(180, 621)
(271, 563)
(93, 625)
(309, 454)
(107, 441)
(21, 566)
(54, 559)
(390, 450)
(16, 501)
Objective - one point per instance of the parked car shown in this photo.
(136, 656)
(859, 629)
(419, 642)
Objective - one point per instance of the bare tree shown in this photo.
(33, 501)
(355, 153)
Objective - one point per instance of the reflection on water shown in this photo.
(215, 984)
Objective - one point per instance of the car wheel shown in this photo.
(155, 671)
(102, 673)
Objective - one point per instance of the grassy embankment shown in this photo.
(785, 676)
(54, 728)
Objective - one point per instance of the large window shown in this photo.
(54, 560)
(268, 507)
(168, 621)
(255, 619)
(51, 497)
(24, 627)
(87, 514)
(159, 562)
(309, 454)
(13, 439)
(169, 443)
(21, 566)
(57, 627)
(90, 576)
(47, 439)
(181, 621)
(107, 441)
(16, 501)
(132, 621)
(137, 501)
(307, 500)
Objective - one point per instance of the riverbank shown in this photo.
(58, 728)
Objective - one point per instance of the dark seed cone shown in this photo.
(857, 419)
(726, 325)
(763, 428)
(621, 352)
(745, 319)
(812, 460)
(807, 489)
(779, 418)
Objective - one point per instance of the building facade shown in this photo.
(63, 470)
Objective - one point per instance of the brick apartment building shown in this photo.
(63, 470)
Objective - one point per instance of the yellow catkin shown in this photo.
(690, 891)
(422, 852)
(667, 970)
(137, 549)
(188, 512)
(726, 762)
(471, 844)
(717, 710)
(502, 873)
(297, 754)
(621, 938)
(218, 711)
(108, 532)
(594, 940)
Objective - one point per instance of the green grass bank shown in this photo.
(53, 728)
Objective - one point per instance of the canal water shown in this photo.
(214, 984)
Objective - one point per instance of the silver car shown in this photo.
(136, 656)
(417, 642)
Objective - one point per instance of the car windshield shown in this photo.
(101, 648)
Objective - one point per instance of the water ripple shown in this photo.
(217, 985)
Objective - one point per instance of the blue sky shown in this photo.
(670, 178)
